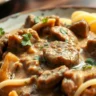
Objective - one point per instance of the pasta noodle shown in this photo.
(77, 13)
(84, 86)
(15, 82)
(88, 17)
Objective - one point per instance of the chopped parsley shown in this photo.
(27, 36)
(86, 67)
(63, 31)
(25, 43)
(45, 20)
(90, 61)
(2, 32)
(26, 39)
(37, 20)
(82, 67)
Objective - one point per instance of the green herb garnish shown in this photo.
(45, 20)
(86, 67)
(27, 36)
(26, 39)
(37, 20)
(90, 61)
(25, 43)
(89, 64)
(2, 32)
(82, 67)
(63, 31)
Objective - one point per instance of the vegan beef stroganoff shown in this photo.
(50, 56)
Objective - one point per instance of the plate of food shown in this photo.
(48, 52)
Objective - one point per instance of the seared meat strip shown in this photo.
(31, 66)
(74, 78)
(91, 47)
(15, 43)
(32, 20)
(64, 34)
(61, 53)
(29, 21)
(80, 28)
(50, 78)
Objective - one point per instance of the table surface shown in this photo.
(15, 6)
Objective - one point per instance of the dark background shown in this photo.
(14, 6)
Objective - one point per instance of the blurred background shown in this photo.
(8, 7)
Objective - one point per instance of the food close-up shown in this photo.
(49, 56)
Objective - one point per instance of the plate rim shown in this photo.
(43, 9)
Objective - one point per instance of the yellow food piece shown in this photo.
(8, 61)
(87, 17)
(66, 21)
(32, 50)
(90, 18)
(93, 13)
(93, 26)
(13, 93)
(77, 13)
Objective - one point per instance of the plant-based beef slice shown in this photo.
(61, 53)
(91, 47)
(22, 40)
(29, 21)
(74, 78)
(50, 78)
(80, 28)
(64, 34)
